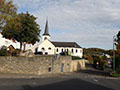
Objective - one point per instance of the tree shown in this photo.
(31, 31)
(117, 60)
(7, 10)
(22, 28)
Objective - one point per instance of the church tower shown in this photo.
(46, 32)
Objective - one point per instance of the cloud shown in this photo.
(91, 23)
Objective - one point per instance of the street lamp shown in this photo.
(113, 55)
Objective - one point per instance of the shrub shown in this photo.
(98, 62)
(3, 51)
(117, 63)
(75, 58)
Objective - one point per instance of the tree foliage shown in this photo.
(117, 59)
(7, 10)
(22, 28)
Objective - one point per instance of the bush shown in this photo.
(3, 51)
(75, 58)
(98, 62)
(117, 63)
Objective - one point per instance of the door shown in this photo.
(62, 65)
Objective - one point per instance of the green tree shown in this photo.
(117, 60)
(23, 28)
(7, 10)
(31, 31)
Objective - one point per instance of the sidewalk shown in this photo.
(26, 76)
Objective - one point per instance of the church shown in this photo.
(48, 47)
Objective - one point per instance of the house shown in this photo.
(48, 47)
(11, 43)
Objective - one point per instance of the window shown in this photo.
(46, 53)
(62, 50)
(49, 69)
(67, 50)
(49, 48)
(45, 38)
(76, 50)
(43, 48)
(57, 49)
(72, 50)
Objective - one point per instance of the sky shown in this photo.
(90, 23)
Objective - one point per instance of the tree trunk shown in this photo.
(20, 46)
(24, 46)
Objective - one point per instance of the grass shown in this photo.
(75, 58)
(45, 56)
(116, 75)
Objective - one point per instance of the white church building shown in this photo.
(48, 47)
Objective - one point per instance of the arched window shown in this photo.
(43, 48)
(49, 48)
(67, 50)
(62, 50)
(72, 50)
(45, 38)
(76, 50)
(57, 49)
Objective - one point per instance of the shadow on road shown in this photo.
(72, 84)
(93, 71)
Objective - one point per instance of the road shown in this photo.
(85, 80)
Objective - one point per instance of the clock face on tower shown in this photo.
(45, 38)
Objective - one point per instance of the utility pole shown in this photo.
(113, 55)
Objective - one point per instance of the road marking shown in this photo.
(95, 80)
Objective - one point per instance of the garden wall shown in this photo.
(35, 65)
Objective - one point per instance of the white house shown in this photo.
(48, 47)
(15, 44)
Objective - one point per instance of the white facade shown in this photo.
(44, 37)
(47, 48)
(15, 44)
(71, 51)
(7, 42)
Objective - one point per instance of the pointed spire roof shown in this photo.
(46, 28)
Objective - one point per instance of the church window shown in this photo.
(49, 48)
(76, 50)
(67, 50)
(62, 50)
(57, 49)
(43, 48)
(72, 50)
(45, 38)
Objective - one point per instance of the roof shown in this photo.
(66, 44)
(46, 29)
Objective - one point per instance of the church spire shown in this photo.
(46, 28)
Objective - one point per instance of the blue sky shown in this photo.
(90, 23)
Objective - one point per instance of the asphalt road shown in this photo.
(76, 81)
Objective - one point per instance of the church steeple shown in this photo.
(46, 34)
(46, 28)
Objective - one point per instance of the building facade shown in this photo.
(48, 47)
(15, 44)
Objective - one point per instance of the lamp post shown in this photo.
(113, 55)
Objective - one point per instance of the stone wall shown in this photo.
(77, 65)
(35, 65)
